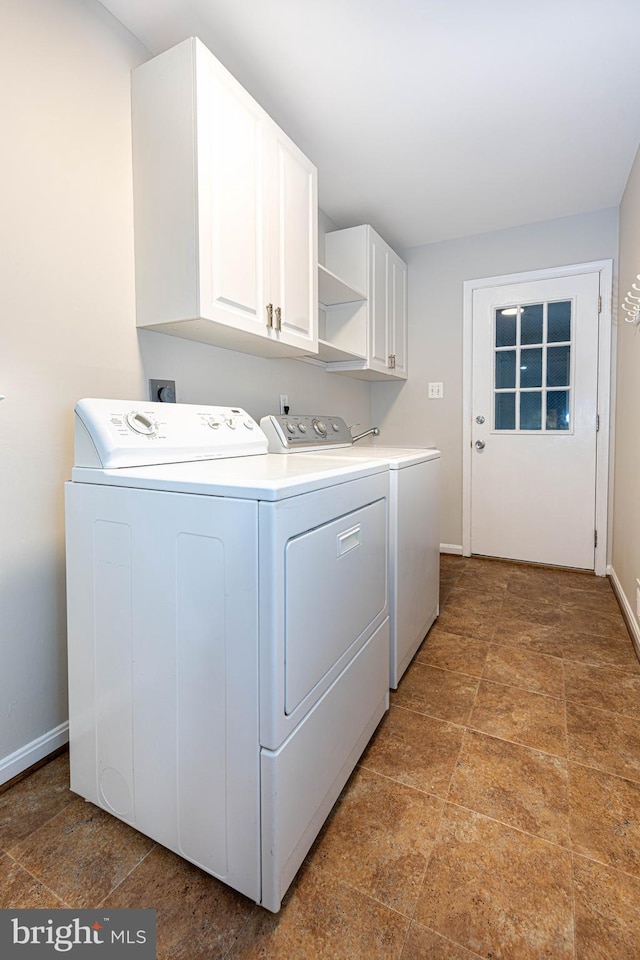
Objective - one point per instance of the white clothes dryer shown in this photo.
(227, 633)
(414, 536)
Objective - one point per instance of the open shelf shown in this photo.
(332, 290)
(332, 354)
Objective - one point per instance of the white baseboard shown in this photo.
(627, 609)
(451, 548)
(31, 753)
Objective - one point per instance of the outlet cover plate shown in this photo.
(162, 391)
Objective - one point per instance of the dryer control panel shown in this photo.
(135, 433)
(287, 433)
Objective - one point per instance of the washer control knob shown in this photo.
(291, 427)
(141, 423)
(232, 423)
(248, 424)
(302, 427)
(336, 427)
(320, 428)
(215, 423)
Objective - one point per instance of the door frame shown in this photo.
(605, 269)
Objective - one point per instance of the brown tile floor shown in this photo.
(495, 814)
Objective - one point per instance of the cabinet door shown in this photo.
(293, 242)
(398, 313)
(379, 347)
(232, 145)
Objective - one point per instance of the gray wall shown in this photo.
(436, 275)
(68, 328)
(626, 500)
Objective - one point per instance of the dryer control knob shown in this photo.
(215, 423)
(232, 423)
(248, 424)
(336, 427)
(141, 423)
(291, 427)
(302, 427)
(320, 428)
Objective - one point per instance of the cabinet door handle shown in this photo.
(392, 361)
(270, 315)
(278, 318)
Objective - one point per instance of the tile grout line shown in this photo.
(607, 866)
(229, 954)
(34, 833)
(132, 870)
(40, 882)
(511, 826)
(608, 773)
(571, 839)
(434, 841)
(573, 902)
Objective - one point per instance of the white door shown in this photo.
(232, 160)
(534, 420)
(293, 243)
(378, 303)
(398, 313)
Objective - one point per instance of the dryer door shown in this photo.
(335, 587)
(323, 593)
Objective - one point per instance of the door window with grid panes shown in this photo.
(532, 367)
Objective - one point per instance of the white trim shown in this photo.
(31, 753)
(605, 269)
(627, 609)
(455, 548)
(604, 412)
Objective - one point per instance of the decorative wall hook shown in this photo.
(631, 304)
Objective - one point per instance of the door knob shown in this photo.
(480, 444)
(480, 419)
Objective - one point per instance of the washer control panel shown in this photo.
(288, 433)
(133, 433)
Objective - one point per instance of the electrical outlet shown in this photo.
(435, 391)
(162, 391)
(284, 402)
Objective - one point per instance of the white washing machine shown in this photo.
(228, 633)
(414, 536)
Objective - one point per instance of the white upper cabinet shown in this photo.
(225, 212)
(376, 328)
(398, 313)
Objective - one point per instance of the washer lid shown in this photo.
(131, 433)
(396, 458)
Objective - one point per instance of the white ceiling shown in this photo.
(433, 119)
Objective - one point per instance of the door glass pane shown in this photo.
(558, 417)
(505, 369)
(505, 411)
(559, 321)
(506, 327)
(531, 368)
(531, 324)
(558, 366)
(531, 411)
